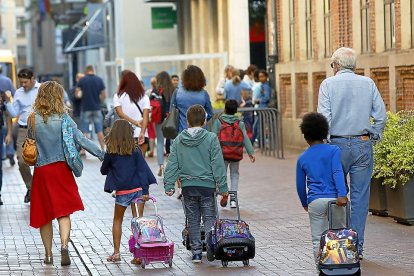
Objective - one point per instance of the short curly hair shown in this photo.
(314, 127)
(193, 78)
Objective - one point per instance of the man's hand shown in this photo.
(224, 194)
(8, 95)
(341, 201)
(8, 139)
(170, 193)
(305, 208)
(252, 158)
(145, 197)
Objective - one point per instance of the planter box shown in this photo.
(378, 199)
(400, 202)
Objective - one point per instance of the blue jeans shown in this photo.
(195, 208)
(160, 144)
(357, 160)
(94, 117)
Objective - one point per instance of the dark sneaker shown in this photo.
(223, 201)
(233, 204)
(361, 256)
(11, 160)
(27, 197)
(197, 258)
(1, 202)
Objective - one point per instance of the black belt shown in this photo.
(349, 136)
(22, 126)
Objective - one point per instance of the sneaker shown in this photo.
(233, 204)
(11, 160)
(197, 258)
(27, 197)
(361, 256)
(1, 202)
(161, 171)
(223, 201)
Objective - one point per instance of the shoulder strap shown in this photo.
(140, 110)
(174, 98)
(31, 124)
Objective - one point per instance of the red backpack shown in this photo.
(156, 111)
(231, 140)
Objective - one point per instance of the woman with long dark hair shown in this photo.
(162, 94)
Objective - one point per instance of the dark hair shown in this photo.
(230, 107)
(174, 76)
(256, 75)
(25, 73)
(131, 85)
(251, 69)
(241, 73)
(262, 71)
(164, 82)
(89, 68)
(314, 126)
(193, 78)
(196, 115)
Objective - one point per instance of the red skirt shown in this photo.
(54, 194)
(151, 130)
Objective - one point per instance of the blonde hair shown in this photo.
(49, 100)
(120, 139)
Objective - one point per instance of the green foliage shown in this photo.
(394, 155)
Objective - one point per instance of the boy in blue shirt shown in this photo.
(319, 176)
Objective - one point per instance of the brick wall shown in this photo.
(279, 31)
(381, 78)
(286, 95)
(317, 78)
(405, 87)
(372, 29)
(302, 101)
(359, 71)
(397, 6)
(297, 27)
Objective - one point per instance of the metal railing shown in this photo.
(270, 129)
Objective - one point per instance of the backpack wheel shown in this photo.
(246, 262)
(143, 264)
(170, 262)
(224, 263)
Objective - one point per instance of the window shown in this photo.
(327, 27)
(389, 24)
(365, 47)
(19, 3)
(292, 28)
(308, 14)
(21, 26)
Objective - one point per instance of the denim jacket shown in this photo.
(50, 143)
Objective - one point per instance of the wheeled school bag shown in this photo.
(185, 234)
(230, 239)
(338, 249)
(148, 241)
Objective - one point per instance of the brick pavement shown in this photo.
(268, 202)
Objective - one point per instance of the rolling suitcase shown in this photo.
(338, 249)
(230, 239)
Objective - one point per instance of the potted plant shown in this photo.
(394, 165)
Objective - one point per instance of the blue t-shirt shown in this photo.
(319, 171)
(91, 86)
(233, 92)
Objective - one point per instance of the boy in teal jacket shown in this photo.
(197, 162)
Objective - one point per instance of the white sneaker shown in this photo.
(233, 204)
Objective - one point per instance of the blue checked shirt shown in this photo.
(349, 101)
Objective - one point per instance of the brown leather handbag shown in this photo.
(29, 152)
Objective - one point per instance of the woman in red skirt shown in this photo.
(54, 192)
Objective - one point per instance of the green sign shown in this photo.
(163, 17)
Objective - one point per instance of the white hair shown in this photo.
(345, 58)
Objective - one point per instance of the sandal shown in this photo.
(136, 261)
(65, 258)
(48, 260)
(116, 257)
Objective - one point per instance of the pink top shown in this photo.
(125, 192)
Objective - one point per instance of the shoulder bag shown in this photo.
(69, 149)
(170, 125)
(29, 152)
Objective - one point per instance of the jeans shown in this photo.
(357, 160)
(94, 117)
(318, 218)
(234, 174)
(256, 130)
(160, 144)
(195, 208)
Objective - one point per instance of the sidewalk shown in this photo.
(268, 203)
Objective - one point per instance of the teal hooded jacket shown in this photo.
(196, 160)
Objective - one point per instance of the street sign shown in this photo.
(163, 17)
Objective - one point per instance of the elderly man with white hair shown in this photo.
(349, 101)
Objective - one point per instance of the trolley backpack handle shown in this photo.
(348, 214)
(150, 198)
(234, 194)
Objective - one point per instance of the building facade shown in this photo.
(306, 34)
